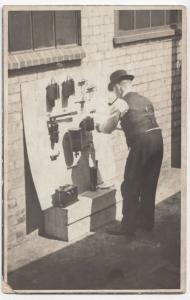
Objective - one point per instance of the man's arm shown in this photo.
(111, 122)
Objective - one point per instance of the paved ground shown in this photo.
(104, 262)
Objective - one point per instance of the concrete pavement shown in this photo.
(104, 262)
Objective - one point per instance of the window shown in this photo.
(134, 25)
(31, 30)
(142, 19)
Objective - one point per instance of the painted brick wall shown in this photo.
(156, 66)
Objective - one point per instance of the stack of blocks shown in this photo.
(91, 211)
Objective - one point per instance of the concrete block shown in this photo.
(77, 229)
(88, 204)
(89, 212)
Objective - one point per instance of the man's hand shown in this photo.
(97, 126)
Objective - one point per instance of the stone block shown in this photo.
(59, 230)
(93, 209)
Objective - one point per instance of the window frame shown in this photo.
(135, 35)
(33, 50)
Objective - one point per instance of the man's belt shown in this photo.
(155, 128)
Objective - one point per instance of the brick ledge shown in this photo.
(139, 35)
(48, 56)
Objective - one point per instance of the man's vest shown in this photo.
(139, 118)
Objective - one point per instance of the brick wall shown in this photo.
(156, 66)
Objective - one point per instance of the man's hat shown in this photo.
(117, 76)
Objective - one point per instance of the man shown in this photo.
(145, 143)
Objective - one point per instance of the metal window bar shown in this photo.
(135, 19)
(54, 29)
(32, 31)
(165, 17)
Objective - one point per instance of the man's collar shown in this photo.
(128, 91)
(124, 94)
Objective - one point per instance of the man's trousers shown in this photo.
(140, 180)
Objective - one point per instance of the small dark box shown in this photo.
(65, 195)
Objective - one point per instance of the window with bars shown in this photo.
(138, 24)
(33, 30)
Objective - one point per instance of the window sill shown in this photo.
(43, 57)
(146, 35)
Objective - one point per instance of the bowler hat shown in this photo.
(117, 76)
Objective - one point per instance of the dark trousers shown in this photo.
(140, 180)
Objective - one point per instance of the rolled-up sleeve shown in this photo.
(111, 121)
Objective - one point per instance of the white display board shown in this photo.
(47, 174)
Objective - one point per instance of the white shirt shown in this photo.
(117, 110)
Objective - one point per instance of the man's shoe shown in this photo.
(120, 229)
